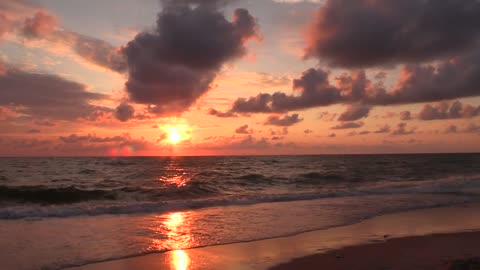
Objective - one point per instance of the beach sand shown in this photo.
(438, 238)
(441, 251)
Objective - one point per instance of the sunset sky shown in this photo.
(221, 77)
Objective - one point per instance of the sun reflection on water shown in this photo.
(179, 180)
(176, 226)
(173, 221)
(175, 175)
(179, 260)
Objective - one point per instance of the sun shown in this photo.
(174, 136)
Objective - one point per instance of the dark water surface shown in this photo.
(56, 212)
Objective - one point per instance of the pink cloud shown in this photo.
(40, 25)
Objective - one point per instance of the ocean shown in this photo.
(58, 212)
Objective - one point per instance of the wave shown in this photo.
(465, 190)
(315, 176)
(42, 194)
(47, 201)
(87, 171)
(105, 208)
(70, 194)
(118, 163)
(253, 177)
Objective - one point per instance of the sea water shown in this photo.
(58, 212)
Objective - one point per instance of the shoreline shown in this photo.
(268, 253)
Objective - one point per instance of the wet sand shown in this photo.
(460, 251)
(420, 239)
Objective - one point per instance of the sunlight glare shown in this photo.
(174, 136)
(180, 260)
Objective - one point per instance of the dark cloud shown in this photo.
(354, 133)
(384, 129)
(405, 116)
(220, 114)
(19, 146)
(277, 138)
(244, 145)
(172, 66)
(354, 112)
(451, 129)
(456, 78)
(45, 123)
(74, 138)
(84, 145)
(472, 128)
(368, 33)
(124, 112)
(348, 125)
(402, 130)
(308, 131)
(286, 121)
(327, 116)
(92, 144)
(333, 135)
(283, 131)
(452, 79)
(315, 90)
(257, 104)
(388, 115)
(208, 4)
(243, 130)
(33, 131)
(48, 96)
(382, 75)
(448, 111)
(96, 51)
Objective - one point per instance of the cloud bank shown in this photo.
(45, 95)
(171, 67)
(367, 33)
(286, 121)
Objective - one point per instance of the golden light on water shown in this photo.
(179, 260)
(174, 221)
(178, 234)
(176, 227)
(176, 175)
